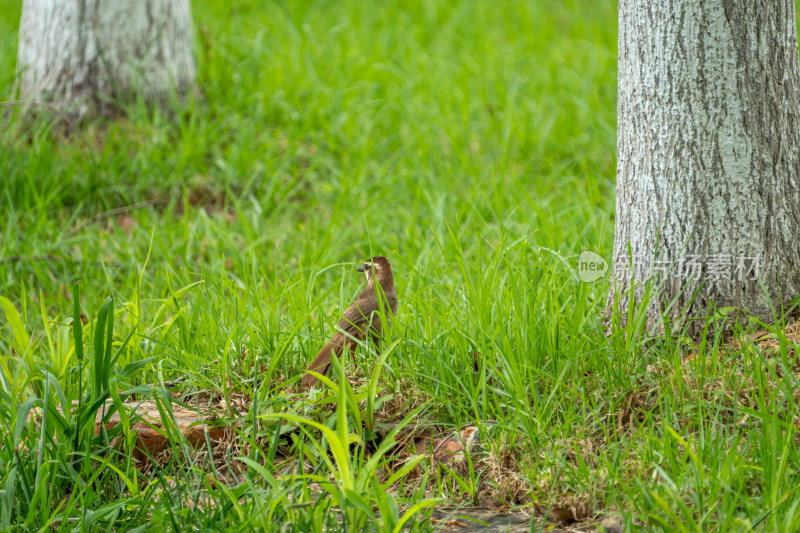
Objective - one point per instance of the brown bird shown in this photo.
(362, 317)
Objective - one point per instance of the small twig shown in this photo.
(442, 443)
(170, 384)
(111, 213)
(167, 384)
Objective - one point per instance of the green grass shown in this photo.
(473, 144)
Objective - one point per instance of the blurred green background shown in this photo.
(333, 128)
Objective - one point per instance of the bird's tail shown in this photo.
(322, 362)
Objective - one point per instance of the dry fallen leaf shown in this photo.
(449, 524)
(562, 515)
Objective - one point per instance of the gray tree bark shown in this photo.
(82, 57)
(708, 157)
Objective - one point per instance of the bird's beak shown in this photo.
(360, 269)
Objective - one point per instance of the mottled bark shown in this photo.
(81, 57)
(708, 155)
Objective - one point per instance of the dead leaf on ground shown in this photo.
(562, 515)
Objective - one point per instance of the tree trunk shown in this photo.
(83, 57)
(708, 157)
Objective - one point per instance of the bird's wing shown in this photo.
(357, 314)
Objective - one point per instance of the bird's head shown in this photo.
(377, 268)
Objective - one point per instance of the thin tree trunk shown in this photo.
(82, 57)
(708, 155)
